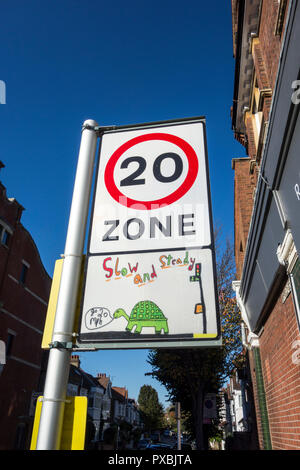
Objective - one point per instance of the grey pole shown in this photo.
(178, 417)
(51, 420)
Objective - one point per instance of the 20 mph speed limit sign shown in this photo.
(152, 190)
(150, 273)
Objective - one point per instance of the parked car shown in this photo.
(167, 433)
(159, 447)
(184, 446)
(144, 443)
(154, 437)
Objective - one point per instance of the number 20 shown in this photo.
(132, 179)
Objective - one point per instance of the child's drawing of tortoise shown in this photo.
(145, 313)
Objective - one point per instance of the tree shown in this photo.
(229, 312)
(151, 409)
(188, 374)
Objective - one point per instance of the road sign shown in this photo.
(151, 190)
(150, 270)
(209, 406)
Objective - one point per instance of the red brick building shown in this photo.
(265, 120)
(24, 292)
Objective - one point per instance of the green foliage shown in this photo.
(229, 312)
(182, 369)
(150, 408)
(187, 375)
(231, 332)
(171, 421)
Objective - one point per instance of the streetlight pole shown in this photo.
(178, 417)
(54, 399)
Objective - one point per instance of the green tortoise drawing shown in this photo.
(144, 313)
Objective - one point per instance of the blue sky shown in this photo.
(119, 63)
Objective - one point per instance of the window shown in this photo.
(280, 17)
(295, 280)
(91, 401)
(106, 405)
(5, 237)
(83, 392)
(94, 400)
(72, 390)
(256, 112)
(97, 401)
(5, 233)
(24, 271)
(9, 342)
(240, 400)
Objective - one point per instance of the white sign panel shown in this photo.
(151, 190)
(150, 275)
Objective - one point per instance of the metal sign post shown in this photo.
(51, 421)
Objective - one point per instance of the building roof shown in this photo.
(79, 376)
(245, 24)
(103, 379)
(120, 393)
(83, 379)
(10, 215)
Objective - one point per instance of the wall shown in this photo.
(278, 410)
(22, 315)
(282, 374)
(244, 186)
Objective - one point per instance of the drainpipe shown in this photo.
(262, 400)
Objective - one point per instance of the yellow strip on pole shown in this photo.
(74, 427)
(74, 424)
(49, 324)
(50, 318)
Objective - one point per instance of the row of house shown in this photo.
(237, 412)
(107, 405)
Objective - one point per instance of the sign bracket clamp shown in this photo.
(63, 344)
(54, 400)
(98, 129)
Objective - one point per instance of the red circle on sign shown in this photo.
(167, 200)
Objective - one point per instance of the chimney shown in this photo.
(75, 361)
